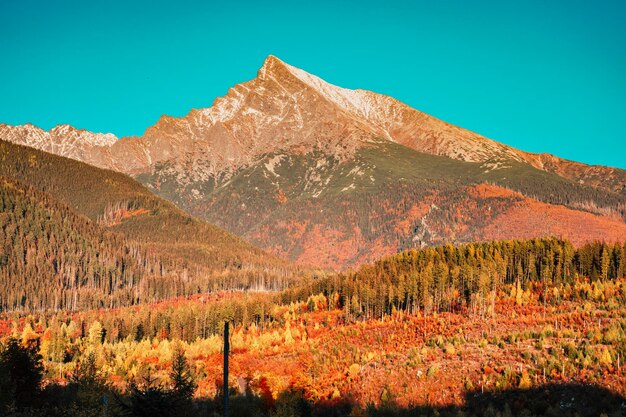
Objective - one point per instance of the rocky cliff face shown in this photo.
(62, 140)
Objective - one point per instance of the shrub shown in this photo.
(548, 331)
(539, 344)
(525, 382)
(613, 334)
(432, 370)
(449, 349)
(570, 350)
(291, 403)
(414, 358)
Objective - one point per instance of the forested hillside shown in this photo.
(109, 197)
(74, 236)
(319, 209)
(464, 279)
(51, 257)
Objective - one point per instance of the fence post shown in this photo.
(226, 350)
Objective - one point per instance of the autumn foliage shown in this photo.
(424, 327)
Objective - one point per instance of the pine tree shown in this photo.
(604, 263)
(183, 383)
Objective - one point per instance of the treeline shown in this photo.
(464, 277)
(54, 258)
(187, 320)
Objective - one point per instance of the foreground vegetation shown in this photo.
(318, 364)
(505, 328)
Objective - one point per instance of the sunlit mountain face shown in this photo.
(333, 177)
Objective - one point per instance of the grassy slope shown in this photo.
(389, 164)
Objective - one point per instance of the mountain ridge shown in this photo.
(400, 123)
(266, 159)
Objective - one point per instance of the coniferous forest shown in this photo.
(90, 238)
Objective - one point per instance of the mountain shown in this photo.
(334, 177)
(76, 236)
(282, 109)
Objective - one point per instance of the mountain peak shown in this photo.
(284, 108)
(277, 69)
(353, 101)
(272, 60)
(271, 66)
(59, 139)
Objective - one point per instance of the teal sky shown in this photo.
(543, 76)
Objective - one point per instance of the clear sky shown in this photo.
(543, 76)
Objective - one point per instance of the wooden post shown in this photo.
(226, 349)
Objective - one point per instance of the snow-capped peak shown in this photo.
(353, 101)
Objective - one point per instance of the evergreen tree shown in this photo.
(182, 381)
(22, 369)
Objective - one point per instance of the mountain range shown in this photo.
(332, 177)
